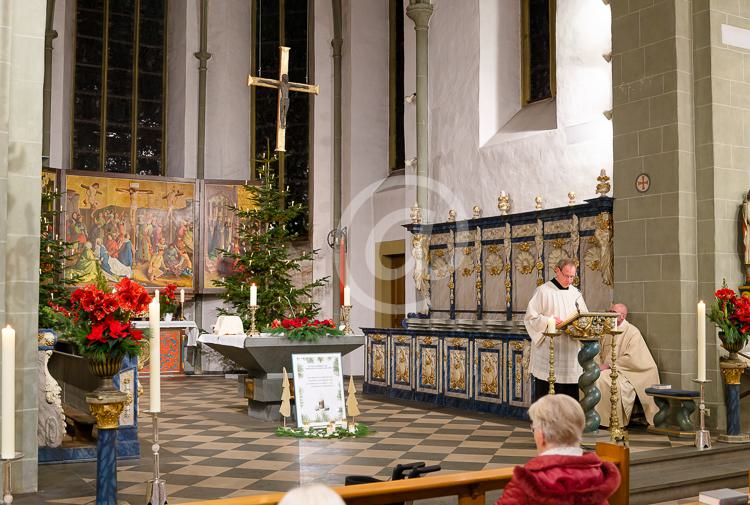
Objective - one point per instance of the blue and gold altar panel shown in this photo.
(457, 367)
(402, 350)
(378, 359)
(518, 392)
(429, 369)
(483, 371)
(488, 382)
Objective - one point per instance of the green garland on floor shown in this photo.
(361, 430)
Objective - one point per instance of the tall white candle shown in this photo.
(253, 294)
(551, 325)
(155, 365)
(8, 408)
(182, 296)
(701, 341)
(347, 296)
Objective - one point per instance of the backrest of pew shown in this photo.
(470, 487)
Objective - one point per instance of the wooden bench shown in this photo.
(666, 399)
(82, 422)
(470, 487)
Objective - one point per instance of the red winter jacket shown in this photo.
(562, 480)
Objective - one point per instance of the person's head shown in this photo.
(622, 311)
(565, 272)
(314, 494)
(557, 421)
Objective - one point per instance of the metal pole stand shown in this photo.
(702, 436)
(7, 493)
(552, 379)
(345, 311)
(182, 312)
(156, 490)
(253, 330)
(616, 432)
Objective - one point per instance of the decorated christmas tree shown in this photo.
(53, 252)
(264, 258)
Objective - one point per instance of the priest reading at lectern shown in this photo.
(560, 300)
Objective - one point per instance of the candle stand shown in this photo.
(551, 379)
(7, 493)
(182, 312)
(345, 311)
(731, 371)
(253, 330)
(106, 406)
(156, 490)
(702, 435)
(616, 432)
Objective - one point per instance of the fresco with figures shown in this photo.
(142, 229)
(222, 229)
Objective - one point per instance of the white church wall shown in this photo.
(183, 41)
(227, 96)
(463, 112)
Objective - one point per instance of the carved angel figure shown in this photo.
(419, 252)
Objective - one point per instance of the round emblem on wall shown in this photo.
(642, 183)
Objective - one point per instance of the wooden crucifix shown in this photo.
(284, 87)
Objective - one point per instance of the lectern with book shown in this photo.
(589, 328)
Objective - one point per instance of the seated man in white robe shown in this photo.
(636, 371)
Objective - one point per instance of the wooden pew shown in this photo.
(470, 487)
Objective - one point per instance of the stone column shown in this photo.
(682, 116)
(420, 11)
(22, 37)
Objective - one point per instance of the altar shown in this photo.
(264, 357)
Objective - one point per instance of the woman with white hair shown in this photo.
(313, 494)
(561, 474)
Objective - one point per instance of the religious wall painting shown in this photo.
(221, 229)
(137, 228)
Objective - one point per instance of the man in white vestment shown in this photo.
(636, 371)
(557, 299)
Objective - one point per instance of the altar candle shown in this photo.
(551, 325)
(253, 294)
(155, 344)
(8, 408)
(347, 296)
(182, 296)
(701, 341)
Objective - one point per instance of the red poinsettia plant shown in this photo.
(731, 314)
(302, 328)
(168, 302)
(98, 320)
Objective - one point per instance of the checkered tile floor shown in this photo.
(212, 449)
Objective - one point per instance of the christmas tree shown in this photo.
(264, 237)
(286, 407)
(53, 252)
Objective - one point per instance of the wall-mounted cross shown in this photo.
(284, 87)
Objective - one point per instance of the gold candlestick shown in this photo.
(345, 310)
(616, 433)
(551, 379)
(182, 312)
(253, 330)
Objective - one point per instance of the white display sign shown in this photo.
(318, 389)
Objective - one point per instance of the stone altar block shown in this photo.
(264, 357)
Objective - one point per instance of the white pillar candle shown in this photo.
(347, 296)
(253, 294)
(8, 408)
(182, 296)
(155, 347)
(701, 341)
(551, 325)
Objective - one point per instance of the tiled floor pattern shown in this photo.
(212, 449)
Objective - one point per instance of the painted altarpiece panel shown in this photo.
(141, 228)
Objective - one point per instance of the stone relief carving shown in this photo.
(51, 423)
